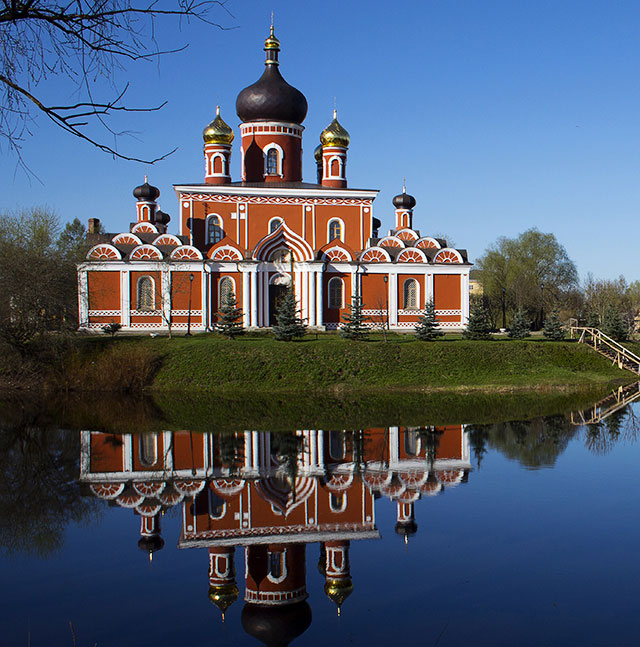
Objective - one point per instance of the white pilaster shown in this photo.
(311, 298)
(430, 287)
(83, 297)
(204, 299)
(464, 298)
(246, 314)
(393, 299)
(125, 299)
(165, 287)
(254, 297)
(265, 298)
(319, 300)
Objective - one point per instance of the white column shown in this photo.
(255, 446)
(464, 298)
(394, 439)
(393, 299)
(319, 303)
(354, 285)
(83, 298)
(311, 298)
(265, 298)
(246, 321)
(204, 299)
(254, 297)
(320, 448)
(165, 287)
(430, 287)
(125, 299)
(248, 450)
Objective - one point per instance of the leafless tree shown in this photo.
(80, 42)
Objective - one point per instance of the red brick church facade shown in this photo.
(258, 236)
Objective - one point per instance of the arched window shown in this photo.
(277, 564)
(410, 294)
(335, 293)
(337, 502)
(335, 230)
(274, 223)
(411, 442)
(148, 449)
(215, 233)
(337, 449)
(335, 168)
(217, 506)
(225, 288)
(146, 294)
(272, 162)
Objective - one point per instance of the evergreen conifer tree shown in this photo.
(288, 324)
(553, 329)
(520, 326)
(478, 326)
(613, 324)
(592, 319)
(352, 324)
(229, 321)
(427, 327)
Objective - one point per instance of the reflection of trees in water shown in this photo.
(533, 443)
(39, 490)
(620, 426)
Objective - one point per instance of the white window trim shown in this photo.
(340, 161)
(220, 282)
(344, 501)
(335, 278)
(404, 294)
(278, 218)
(265, 152)
(277, 580)
(220, 223)
(153, 293)
(341, 237)
(212, 168)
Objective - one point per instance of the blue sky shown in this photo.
(502, 116)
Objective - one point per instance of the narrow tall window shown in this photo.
(275, 565)
(226, 287)
(215, 232)
(337, 502)
(335, 230)
(336, 445)
(411, 442)
(272, 162)
(148, 449)
(216, 505)
(335, 293)
(410, 294)
(146, 294)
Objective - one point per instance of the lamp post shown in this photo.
(385, 278)
(504, 309)
(541, 305)
(189, 311)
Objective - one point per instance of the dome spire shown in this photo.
(218, 132)
(272, 46)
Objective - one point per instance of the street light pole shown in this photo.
(504, 311)
(189, 311)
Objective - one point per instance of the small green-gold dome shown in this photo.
(218, 132)
(338, 590)
(223, 596)
(334, 134)
(317, 153)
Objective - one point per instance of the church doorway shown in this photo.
(277, 290)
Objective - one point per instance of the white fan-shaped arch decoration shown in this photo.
(104, 252)
(126, 239)
(375, 255)
(144, 228)
(167, 239)
(226, 253)
(426, 242)
(146, 253)
(391, 241)
(412, 255)
(186, 253)
(448, 255)
(407, 234)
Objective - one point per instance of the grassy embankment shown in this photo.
(261, 364)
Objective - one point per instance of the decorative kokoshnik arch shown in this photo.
(283, 237)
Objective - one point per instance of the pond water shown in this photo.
(518, 532)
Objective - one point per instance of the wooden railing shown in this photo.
(606, 407)
(608, 347)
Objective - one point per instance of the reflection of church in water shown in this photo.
(273, 493)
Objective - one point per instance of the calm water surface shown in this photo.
(522, 532)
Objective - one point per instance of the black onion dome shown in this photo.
(404, 201)
(162, 218)
(271, 98)
(146, 192)
(407, 528)
(276, 626)
(151, 544)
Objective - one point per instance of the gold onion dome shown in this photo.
(217, 132)
(334, 134)
(317, 153)
(338, 590)
(223, 596)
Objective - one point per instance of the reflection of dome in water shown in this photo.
(151, 544)
(338, 590)
(407, 528)
(276, 626)
(223, 596)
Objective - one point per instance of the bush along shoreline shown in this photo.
(315, 363)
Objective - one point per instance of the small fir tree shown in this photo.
(478, 326)
(288, 323)
(520, 326)
(229, 321)
(427, 327)
(613, 324)
(352, 324)
(592, 320)
(553, 329)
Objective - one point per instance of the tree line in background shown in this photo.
(528, 277)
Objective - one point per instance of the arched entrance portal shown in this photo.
(278, 287)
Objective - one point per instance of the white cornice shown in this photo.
(271, 190)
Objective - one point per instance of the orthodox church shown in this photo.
(267, 232)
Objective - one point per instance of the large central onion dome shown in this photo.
(271, 98)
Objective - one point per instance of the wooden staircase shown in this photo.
(606, 407)
(607, 347)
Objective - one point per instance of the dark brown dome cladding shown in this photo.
(271, 98)
(276, 626)
(404, 201)
(162, 218)
(146, 192)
